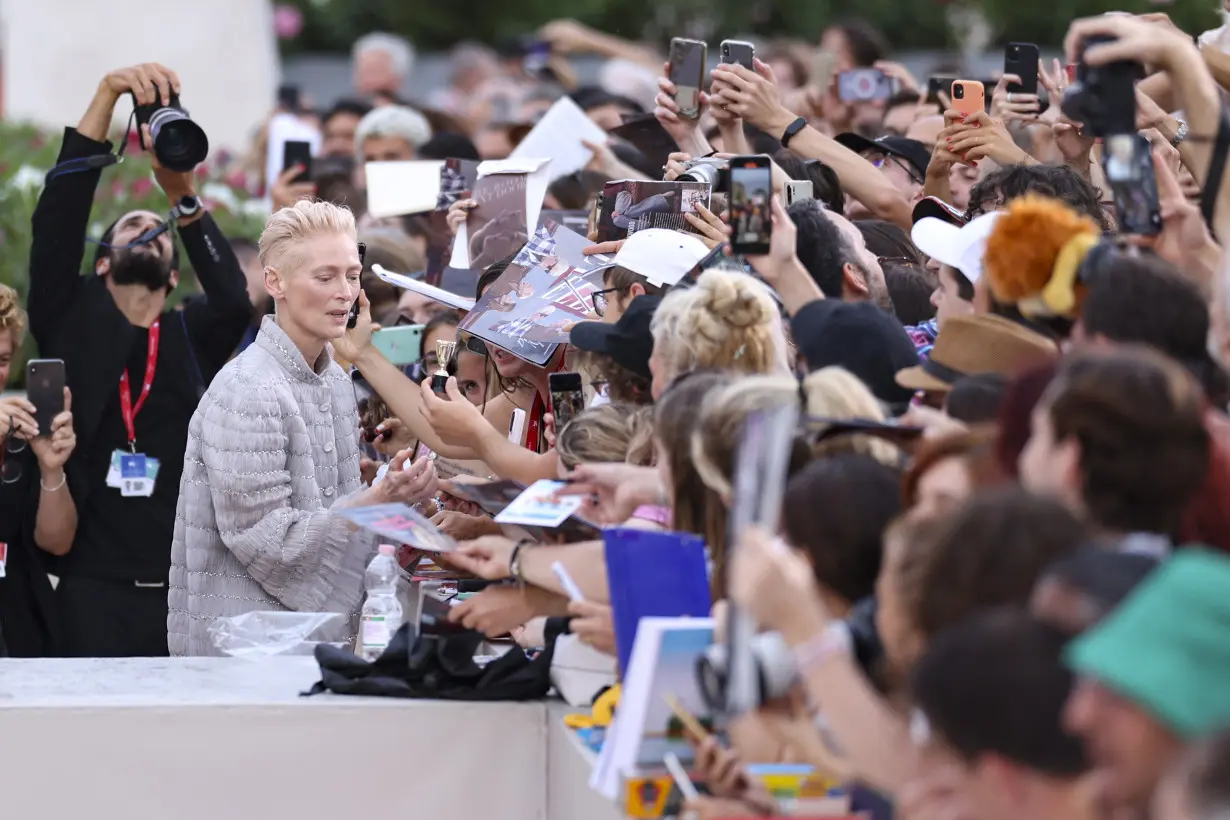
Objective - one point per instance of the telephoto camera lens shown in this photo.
(702, 172)
(179, 143)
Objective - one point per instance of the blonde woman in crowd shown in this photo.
(38, 517)
(273, 448)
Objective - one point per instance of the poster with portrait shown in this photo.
(457, 180)
(547, 289)
(633, 205)
(496, 227)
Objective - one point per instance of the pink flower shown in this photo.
(142, 186)
(287, 22)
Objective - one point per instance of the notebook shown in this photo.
(653, 574)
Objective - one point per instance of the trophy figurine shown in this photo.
(444, 353)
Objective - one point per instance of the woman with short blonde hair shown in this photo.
(273, 449)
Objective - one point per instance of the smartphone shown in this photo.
(1127, 161)
(751, 185)
(798, 190)
(297, 152)
(516, 426)
(687, 72)
(401, 345)
(969, 97)
(45, 390)
(534, 63)
(864, 85)
(1021, 59)
(823, 64)
(937, 86)
(739, 52)
(289, 98)
(567, 398)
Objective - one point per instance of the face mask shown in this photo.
(140, 266)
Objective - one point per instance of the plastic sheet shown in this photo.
(266, 634)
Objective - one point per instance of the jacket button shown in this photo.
(328, 447)
(324, 408)
(328, 491)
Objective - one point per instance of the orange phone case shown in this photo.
(975, 99)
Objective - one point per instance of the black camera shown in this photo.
(712, 170)
(1103, 98)
(179, 143)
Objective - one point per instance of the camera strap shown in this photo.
(1217, 170)
(92, 163)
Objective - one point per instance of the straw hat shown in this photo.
(980, 343)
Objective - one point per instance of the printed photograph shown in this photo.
(633, 205)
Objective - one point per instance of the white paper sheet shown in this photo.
(558, 135)
(442, 296)
(284, 128)
(536, 183)
(398, 188)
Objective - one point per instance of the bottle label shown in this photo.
(374, 632)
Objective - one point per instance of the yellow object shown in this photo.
(604, 706)
(1058, 297)
(645, 797)
(579, 721)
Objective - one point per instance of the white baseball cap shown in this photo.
(661, 255)
(961, 248)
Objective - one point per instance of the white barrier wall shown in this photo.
(56, 51)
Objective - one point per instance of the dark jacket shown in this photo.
(74, 317)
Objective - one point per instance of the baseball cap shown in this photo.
(629, 341)
(661, 255)
(958, 247)
(938, 208)
(913, 152)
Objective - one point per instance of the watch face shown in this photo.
(189, 205)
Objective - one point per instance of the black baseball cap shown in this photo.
(913, 152)
(629, 341)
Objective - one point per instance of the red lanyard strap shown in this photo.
(534, 429)
(127, 408)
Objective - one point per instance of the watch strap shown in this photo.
(792, 129)
(179, 212)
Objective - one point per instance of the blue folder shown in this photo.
(653, 575)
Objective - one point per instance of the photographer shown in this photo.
(136, 368)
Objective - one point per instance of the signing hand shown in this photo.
(487, 557)
(53, 451)
(613, 491)
(711, 229)
(409, 485)
(720, 768)
(463, 527)
(455, 421)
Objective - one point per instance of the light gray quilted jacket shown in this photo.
(272, 446)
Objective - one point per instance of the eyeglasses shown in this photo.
(601, 300)
(10, 469)
(879, 163)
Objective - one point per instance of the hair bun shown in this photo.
(1025, 243)
(734, 299)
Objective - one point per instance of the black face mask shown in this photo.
(140, 266)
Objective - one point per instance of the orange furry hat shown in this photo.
(1033, 254)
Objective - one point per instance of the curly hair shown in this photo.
(1056, 181)
(599, 434)
(12, 316)
(727, 321)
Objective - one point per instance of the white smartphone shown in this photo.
(516, 427)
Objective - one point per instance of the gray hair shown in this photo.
(398, 48)
(393, 121)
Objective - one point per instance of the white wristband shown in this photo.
(820, 649)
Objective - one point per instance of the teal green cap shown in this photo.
(1167, 646)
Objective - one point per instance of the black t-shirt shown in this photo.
(25, 588)
(130, 538)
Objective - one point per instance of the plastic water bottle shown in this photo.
(381, 615)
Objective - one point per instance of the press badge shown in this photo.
(133, 473)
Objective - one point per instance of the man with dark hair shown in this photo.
(338, 126)
(989, 695)
(835, 253)
(1055, 181)
(136, 366)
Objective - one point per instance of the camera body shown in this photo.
(714, 171)
(775, 670)
(179, 143)
(1103, 98)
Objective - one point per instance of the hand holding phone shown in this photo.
(969, 97)
(567, 398)
(45, 390)
(297, 152)
(739, 52)
(1127, 161)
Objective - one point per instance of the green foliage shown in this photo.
(332, 25)
(28, 153)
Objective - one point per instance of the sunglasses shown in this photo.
(473, 344)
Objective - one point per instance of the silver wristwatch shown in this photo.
(1179, 135)
(187, 206)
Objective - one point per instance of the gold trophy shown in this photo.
(444, 354)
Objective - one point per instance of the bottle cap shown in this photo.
(388, 549)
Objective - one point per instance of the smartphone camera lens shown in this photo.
(958, 92)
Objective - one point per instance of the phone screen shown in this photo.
(863, 85)
(751, 185)
(567, 398)
(687, 73)
(1128, 165)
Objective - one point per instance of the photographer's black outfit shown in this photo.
(28, 618)
(113, 585)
